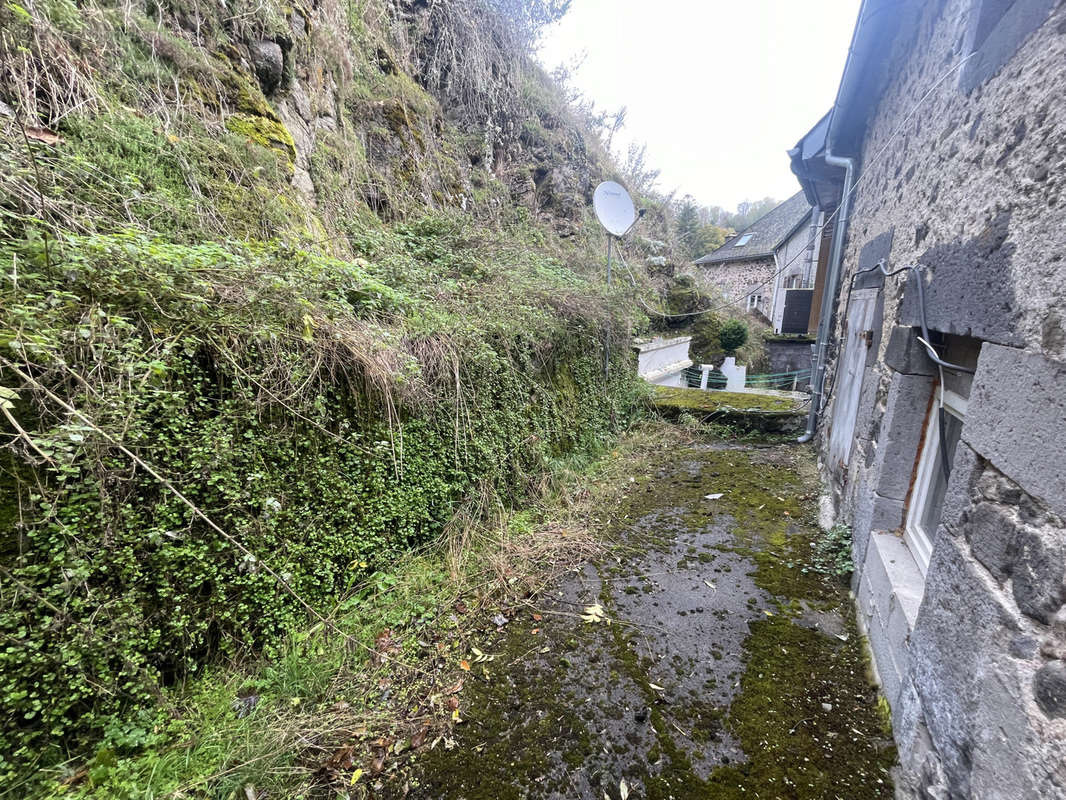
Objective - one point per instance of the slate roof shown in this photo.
(768, 233)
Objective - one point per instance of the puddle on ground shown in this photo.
(727, 670)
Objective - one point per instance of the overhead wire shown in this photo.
(858, 182)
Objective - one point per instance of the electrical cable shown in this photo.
(924, 339)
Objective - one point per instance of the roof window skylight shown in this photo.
(743, 240)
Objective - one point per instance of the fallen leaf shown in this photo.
(537, 617)
(716, 496)
(711, 585)
(455, 716)
(42, 135)
(535, 631)
(343, 759)
(460, 607)
(594, 613)
(656, 687)
(768, 612)
(456, 687)
(419, 738)
(623, 789)
(378, 763)
(453, 703)
(464, 664)
(356, 776)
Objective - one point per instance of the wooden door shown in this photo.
(852, 366)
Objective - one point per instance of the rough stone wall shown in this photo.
(962, 170)
(736, 279)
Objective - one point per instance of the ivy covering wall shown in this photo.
(331, 378)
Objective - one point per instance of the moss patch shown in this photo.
(808, 720)
(263, 131)
(699, 400)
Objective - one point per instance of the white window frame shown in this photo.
(917, 538)
(744, 239)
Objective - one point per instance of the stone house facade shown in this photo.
(946, 151)
(747, 284)
(775, 254)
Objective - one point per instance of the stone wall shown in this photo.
(962, 170)
(789, 355)
(735, 280)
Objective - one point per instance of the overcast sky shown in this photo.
(718, 89)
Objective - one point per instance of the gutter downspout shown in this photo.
(836, 255)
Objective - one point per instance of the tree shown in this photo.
(640, 177)
(710, 237)
(733, 336)
(688, 228)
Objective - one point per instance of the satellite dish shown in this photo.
(614, 207)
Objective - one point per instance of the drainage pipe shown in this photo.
(829, 292)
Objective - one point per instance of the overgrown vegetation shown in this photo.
(324, 271)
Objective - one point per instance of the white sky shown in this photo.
(718, 89)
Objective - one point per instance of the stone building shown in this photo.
(772, 261)
(946, 151)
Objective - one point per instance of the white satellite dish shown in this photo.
(614, 207)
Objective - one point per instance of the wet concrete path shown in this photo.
(703, 658)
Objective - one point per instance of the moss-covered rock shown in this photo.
(744, 412)
(264, 132)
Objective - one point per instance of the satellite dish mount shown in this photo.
(616, 213)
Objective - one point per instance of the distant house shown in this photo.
(769, 268)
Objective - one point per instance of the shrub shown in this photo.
(733, 335)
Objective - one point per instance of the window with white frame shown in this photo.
(943, 431)
(754, 302)
(743, 240)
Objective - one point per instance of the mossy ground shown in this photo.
(558, 712)
(698, 400)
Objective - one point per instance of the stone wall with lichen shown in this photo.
(737, 279)
(962, 169)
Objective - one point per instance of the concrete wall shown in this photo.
(972, 653)
(736, 280)
(789, 355)
(663, 361)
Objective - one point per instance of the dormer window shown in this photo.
(743, 240)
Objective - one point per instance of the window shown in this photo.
(935, 462)
(754, 301)
(931, 482)
(743, 240)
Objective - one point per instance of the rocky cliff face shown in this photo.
(389, 107)
(328, 268)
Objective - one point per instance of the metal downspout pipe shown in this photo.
(836, 255)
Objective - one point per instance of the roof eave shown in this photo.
(738, 257)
